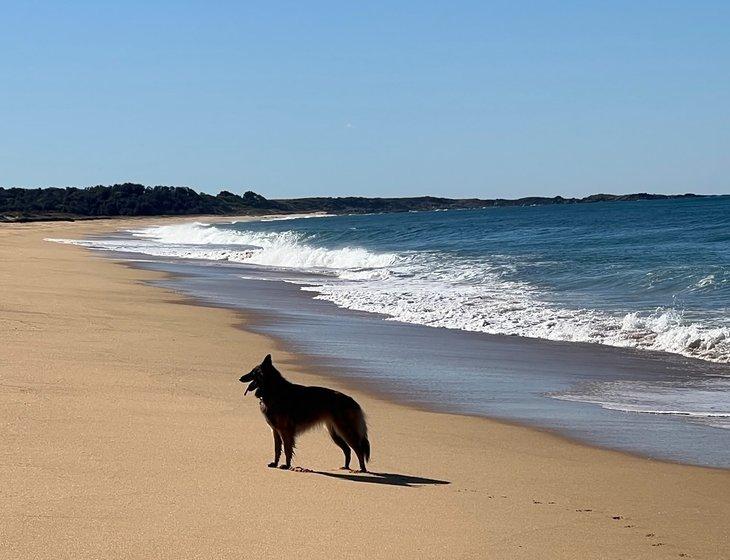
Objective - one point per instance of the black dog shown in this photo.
(291, 409)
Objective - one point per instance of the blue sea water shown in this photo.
(650, 277)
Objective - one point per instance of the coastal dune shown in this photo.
(126, 435)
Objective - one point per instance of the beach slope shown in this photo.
(125, 434)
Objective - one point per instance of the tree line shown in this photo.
(131, 199)
(128, 199)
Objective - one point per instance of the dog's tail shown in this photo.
(362, 429)
(366, 448)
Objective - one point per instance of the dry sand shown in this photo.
(125, 434)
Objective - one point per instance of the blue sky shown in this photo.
(384, 99)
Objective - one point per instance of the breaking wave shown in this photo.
(512, 308)
(204, 241)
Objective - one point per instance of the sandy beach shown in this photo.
(126, 435)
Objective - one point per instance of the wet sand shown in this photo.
(126, 434)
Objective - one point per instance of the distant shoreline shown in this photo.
(133, 200)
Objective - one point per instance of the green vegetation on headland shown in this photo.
(128, 199)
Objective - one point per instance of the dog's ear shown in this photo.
(267, 361)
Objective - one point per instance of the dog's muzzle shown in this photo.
(251, 386)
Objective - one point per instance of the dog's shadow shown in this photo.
(390, 479)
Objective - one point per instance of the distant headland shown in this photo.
(129, 199)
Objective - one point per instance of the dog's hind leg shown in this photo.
(277, 448)
(342, 444)
(360, 452)
(355, 441)
(288, 441)
(353, 430)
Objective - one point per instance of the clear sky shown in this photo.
(374, 98)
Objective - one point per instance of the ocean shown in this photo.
(564, 316)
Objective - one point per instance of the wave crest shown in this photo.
(285, 249)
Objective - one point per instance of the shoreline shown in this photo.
(481, 459)
(253, 319)
(287, 314)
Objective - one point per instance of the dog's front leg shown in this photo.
(277, 448)
(288, 439)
